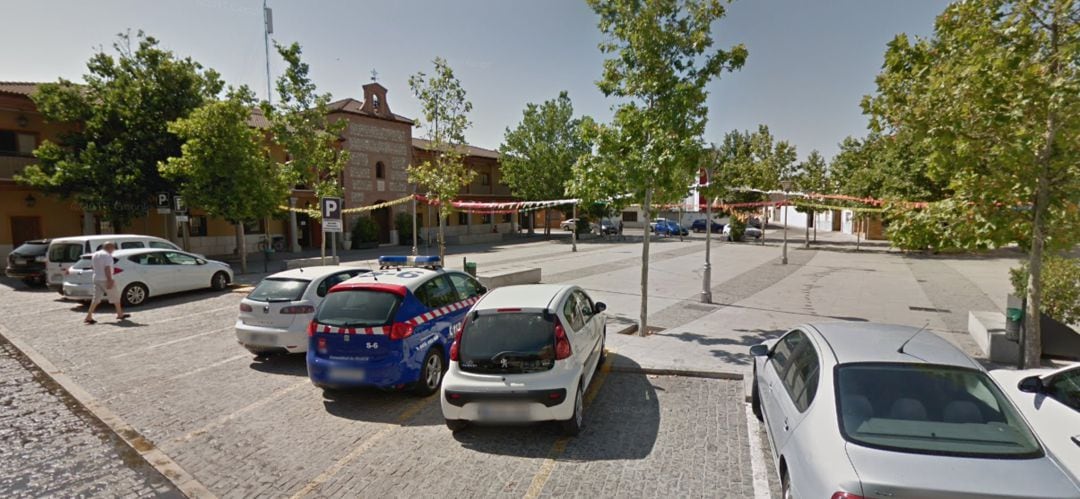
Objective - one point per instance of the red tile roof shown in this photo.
(353, 106)
(480, 152)
(24, 88)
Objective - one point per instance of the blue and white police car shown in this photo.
(390, 328)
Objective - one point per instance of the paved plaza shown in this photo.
(238, 427)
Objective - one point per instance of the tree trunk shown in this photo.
(442, 235)
(547, 222)
(1032, 344)
(241, 246)
(643, 323)
(809, 221)
(532, 222)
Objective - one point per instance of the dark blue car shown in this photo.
(390, 328)
(669, 228)
(699, 226)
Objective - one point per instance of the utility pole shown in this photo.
(706, 277)
(268, 28)
(785, 184)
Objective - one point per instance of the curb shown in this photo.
(728, 375)
(181, 479)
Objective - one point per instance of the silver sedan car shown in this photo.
(858, 410)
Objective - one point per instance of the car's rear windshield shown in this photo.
(930, 409)
(358, 308)
(275, 289)
(508, 342)
(32, 249)
(65, 252)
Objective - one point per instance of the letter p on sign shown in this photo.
(331, 208)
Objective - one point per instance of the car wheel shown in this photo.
(572, 427)
(755, 401)
(456, 425)
(134, 294)
(220, 281)
(431, 374)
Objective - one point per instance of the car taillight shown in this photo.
(311, 327)
(562, 343)
(298, 309)
(846, 495)
(244, 307)
(117, 270)
(455, 347)
(400, 330)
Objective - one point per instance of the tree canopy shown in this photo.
(108, 162)
(538, 154)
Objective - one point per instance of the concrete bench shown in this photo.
(298, 263)
(509, 277)
(988, 331)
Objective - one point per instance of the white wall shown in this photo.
(822, 219)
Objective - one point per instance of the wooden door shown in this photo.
(25, 229)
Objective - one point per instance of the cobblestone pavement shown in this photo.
(49, 446)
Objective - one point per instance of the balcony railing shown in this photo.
(10, 165)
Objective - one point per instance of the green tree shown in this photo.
(661, 59)
(993, 100)
(300, 124)
(445, 110)
(108, 162)
(812, 176)
(224, 167)
(538, 154)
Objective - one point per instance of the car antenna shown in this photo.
(904, 344)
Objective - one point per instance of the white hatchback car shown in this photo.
(142, 273)
(525, 354)
(274, 317)
(1050, 400)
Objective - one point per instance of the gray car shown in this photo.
(868, 410)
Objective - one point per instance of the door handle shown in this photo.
(786, 425)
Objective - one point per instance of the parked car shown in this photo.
(568, 224)
(1050, 400)
(525, 354)
(65, 251)
(607, 227)
(142, 273)
(274, 316)
(27, 262)
(667, 227)
(872, 410)
(748, 233)
(655, 221)
(391, 327)
(699, 226)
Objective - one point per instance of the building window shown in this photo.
(255, 227)
(198, 227)
(17, 144)
(507, 218)
(485, 219)
(485, 179)
(629, 216)
(380, 170)
(462, 218)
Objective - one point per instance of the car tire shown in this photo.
(755, 401)
(456, 425)
(572, 427)
(220, 281)
(430, 374)
(134, 294)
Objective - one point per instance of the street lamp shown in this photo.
(786, 185)
(706, 277)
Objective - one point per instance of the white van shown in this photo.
(65, 251)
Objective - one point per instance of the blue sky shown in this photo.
(810, 61)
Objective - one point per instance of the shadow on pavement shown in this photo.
(287, 364)
(621, 422)
(19, 285)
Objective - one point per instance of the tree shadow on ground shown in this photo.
(622, 422)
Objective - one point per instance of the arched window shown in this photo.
(380, 170)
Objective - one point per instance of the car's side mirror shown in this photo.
(481, 290)
(760, 350)
(1031, 384)
(200, 261)
(599, 307)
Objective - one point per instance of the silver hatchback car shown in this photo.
(857, 410)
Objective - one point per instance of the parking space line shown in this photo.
(758, 466)
(239, 412)
(363, 446)
(170, 342)
(548, 466)
(211, 366)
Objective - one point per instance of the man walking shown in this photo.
(104, 285)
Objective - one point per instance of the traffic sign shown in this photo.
(164, 206)
(331, 225)
(331, 209)
(181, 218)
(179, 206)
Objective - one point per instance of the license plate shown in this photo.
(20, 261)
(263, 338)
(503, 412)
(345, 374)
